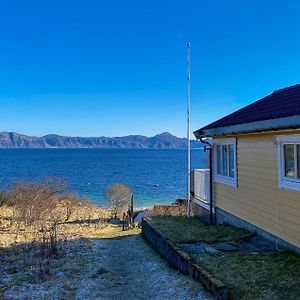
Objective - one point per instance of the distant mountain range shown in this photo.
(164, 140)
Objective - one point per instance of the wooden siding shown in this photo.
(257, 198)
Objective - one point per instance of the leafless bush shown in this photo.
(33, 202)
(67, 206)
(2, 198)
(119, 196)
(6, 199)
(43, 216)
(37, 206)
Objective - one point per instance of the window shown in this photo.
(225, 161)
(289, 162)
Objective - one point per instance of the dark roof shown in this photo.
(280, 104)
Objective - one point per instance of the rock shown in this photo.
(199, 247)
(226, 247)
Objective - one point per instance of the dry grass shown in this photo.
(120, 268)
(86, 221)
(22, 265)
(47, 234)
(96, 260)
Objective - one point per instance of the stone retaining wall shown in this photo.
(169, 210)
(181, 261)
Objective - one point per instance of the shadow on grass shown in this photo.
(180, 229)
(85, 221)
(93, 221)
(34, 263)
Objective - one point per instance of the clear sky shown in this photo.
(113, 68)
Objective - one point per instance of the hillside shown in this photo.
(164, 140)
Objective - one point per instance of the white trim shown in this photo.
(226, 180)
(232, 181)
(290, 185)
(285, 123)
(284, 182)
(203, 204)
(224, 141)
(292, 138)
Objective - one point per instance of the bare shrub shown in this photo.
(6, 199)
(119, 195)
(44, 217)
(67, 206)
(2, 198)
(36, 206)
(33, 202)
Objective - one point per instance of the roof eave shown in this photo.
(259, 126)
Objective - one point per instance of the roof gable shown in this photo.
(280, 104)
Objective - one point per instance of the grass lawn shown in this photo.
(254, 276)
(248, 276)
(184, 230)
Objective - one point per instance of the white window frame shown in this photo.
(285, 182)
(232, 181)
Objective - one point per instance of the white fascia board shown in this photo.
(259, 126)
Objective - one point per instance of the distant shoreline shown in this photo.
(13, 140)
(95, 148)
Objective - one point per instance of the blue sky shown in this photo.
(93, 68)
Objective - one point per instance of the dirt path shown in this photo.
(113, 268)
(129, 268)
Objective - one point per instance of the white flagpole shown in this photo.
(188, 133)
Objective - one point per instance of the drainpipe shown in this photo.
(209, 147)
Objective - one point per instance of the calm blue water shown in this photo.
(153, 175)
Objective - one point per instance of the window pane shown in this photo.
(231, 160)
(289, 162)
(298, 159)
(225, 160)
(219, 160)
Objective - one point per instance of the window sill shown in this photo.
(290, 185)
(226, 180)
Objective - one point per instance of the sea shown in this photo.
(155, 176)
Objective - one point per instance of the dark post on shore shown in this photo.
(131, 210)
(128, 217)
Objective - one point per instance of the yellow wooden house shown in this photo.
(254, 176)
